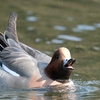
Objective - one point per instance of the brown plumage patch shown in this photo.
(55, 68)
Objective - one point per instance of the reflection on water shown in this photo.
(34, 95)
(61, 38)
(60, 28)
(79, 28)
(83, 27)
(37, 40)
(57, 41)
(48, 42)
(67, 37)
(84, 89)
(97, 25)
(31, 18)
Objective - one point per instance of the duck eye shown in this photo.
(57, 57)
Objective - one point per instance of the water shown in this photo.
(31, 18)
(60, 28)
(71, 38)
(48, 25)
(60, 39)
(37, 40)
(57, 41)
(30, 28)
(84, 90)
(96, 48)
(97, 25)
(70, 18)
(81, 28)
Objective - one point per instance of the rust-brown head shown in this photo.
(60, 67)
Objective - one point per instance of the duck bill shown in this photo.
(69, 64)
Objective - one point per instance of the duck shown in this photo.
(22, 66)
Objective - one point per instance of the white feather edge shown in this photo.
(10, 71)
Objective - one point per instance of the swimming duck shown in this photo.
(26, 67)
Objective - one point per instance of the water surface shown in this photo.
(49, 24)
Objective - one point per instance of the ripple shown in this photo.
(86, 89)
(60, 28)
(31, 18)
(97, 25)
(57, 41)
(92, 82)
(83, 27)
(71, 38)
(86, 86)
(37, 40)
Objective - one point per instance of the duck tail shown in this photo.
(10, 32)
(3, 43)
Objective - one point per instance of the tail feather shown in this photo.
(10, 31)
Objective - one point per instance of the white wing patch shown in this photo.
(10, 71)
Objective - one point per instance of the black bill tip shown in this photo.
(68, 65)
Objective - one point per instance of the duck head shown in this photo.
(60, 66)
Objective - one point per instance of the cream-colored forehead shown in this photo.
(65, 52)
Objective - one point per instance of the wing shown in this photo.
(10, 81)
(36, 53)
(16, 59)
(18, 56)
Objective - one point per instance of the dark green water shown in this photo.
(49, 24)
